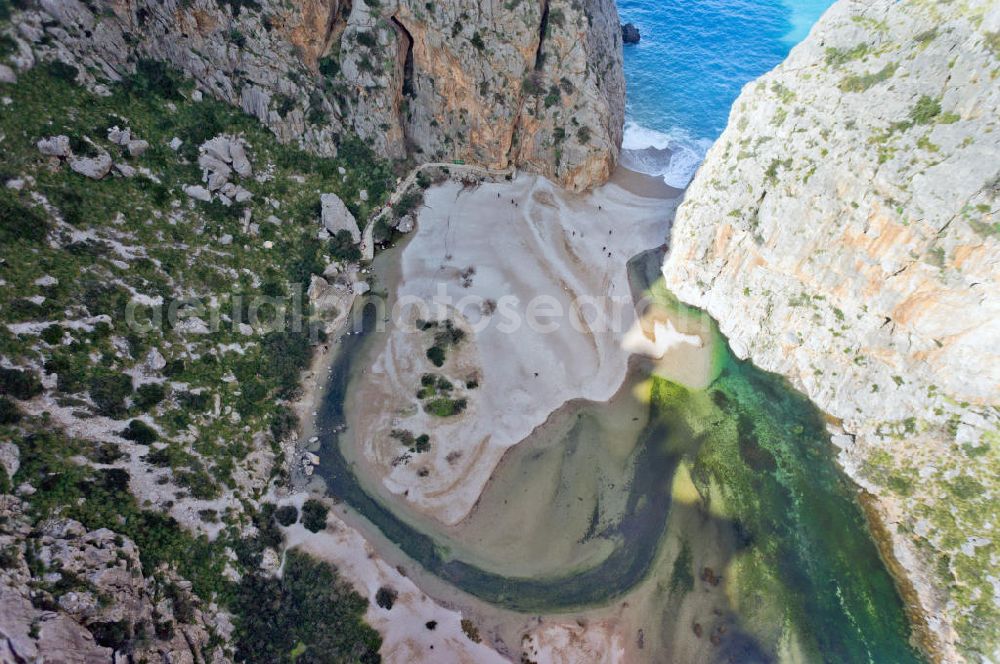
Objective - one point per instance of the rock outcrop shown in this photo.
(844, 232)
(630, 34)
(72, 595)
(336, 217)
(493, 82)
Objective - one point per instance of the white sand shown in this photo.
(665, 337)
(573, 643)
(551, 248)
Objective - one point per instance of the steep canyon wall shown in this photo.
(844, 230)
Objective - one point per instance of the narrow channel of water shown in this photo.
(721, 506)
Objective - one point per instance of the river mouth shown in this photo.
(706, 520)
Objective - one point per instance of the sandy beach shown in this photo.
(536, 280)
(552, 245)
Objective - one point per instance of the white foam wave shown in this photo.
(674, 156)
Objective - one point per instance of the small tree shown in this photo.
(140, 432)
(386, 597)
(286, 515)
(314, 515)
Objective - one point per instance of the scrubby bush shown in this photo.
(409, 202)
(386, 597)
(154, 78)
(470, 630)
(9, 414)
(199, 483)
(314, 515)
(140, 432)
(283, 422)
(286, 515)
(341, 247)
(21, 222)
(19, 384)
(149, 394)
(308, 615)
(925, 110)
(436, 355)
(109, 391)
(445, 407)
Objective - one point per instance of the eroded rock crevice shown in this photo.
(312, 70)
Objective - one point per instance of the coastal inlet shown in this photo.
(697, 508)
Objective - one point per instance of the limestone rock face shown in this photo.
(538, 85)
(844, 232)
(84, 598)
(336, 217)
(532, 84)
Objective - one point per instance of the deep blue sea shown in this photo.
(694, 58)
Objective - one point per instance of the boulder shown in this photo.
(92, 167)
(7, 75)
(136, 147)
(336, 217)
(119, 136)
(198, 192)
(125, 170)
(10, 458)
(630, 34)
(405, 224)
(55, 146)
(218, 148)
(240, 162)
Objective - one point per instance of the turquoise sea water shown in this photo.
(694, 58)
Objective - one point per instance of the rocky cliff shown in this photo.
(844, 231)
(67, 593)
(524, 83)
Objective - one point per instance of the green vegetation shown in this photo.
(682, 576)
(862, 82)
(477, 41)
(436, 392)
(286, 515)
(415, 444)
(19, 384)
(385, 597)
(840, 56)
(101, 499)
(314, 515)
(9, 414)
(308, 615)
(140, 432)
(169, 255)
(436, 355)
(992, 42)
(445, 407)
(446, 335)
(108, 239)
(411, 200)
(925, 111)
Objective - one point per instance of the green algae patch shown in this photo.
(760, 457)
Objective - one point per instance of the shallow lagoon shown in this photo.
(716, 515)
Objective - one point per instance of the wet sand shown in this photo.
(522, 247)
